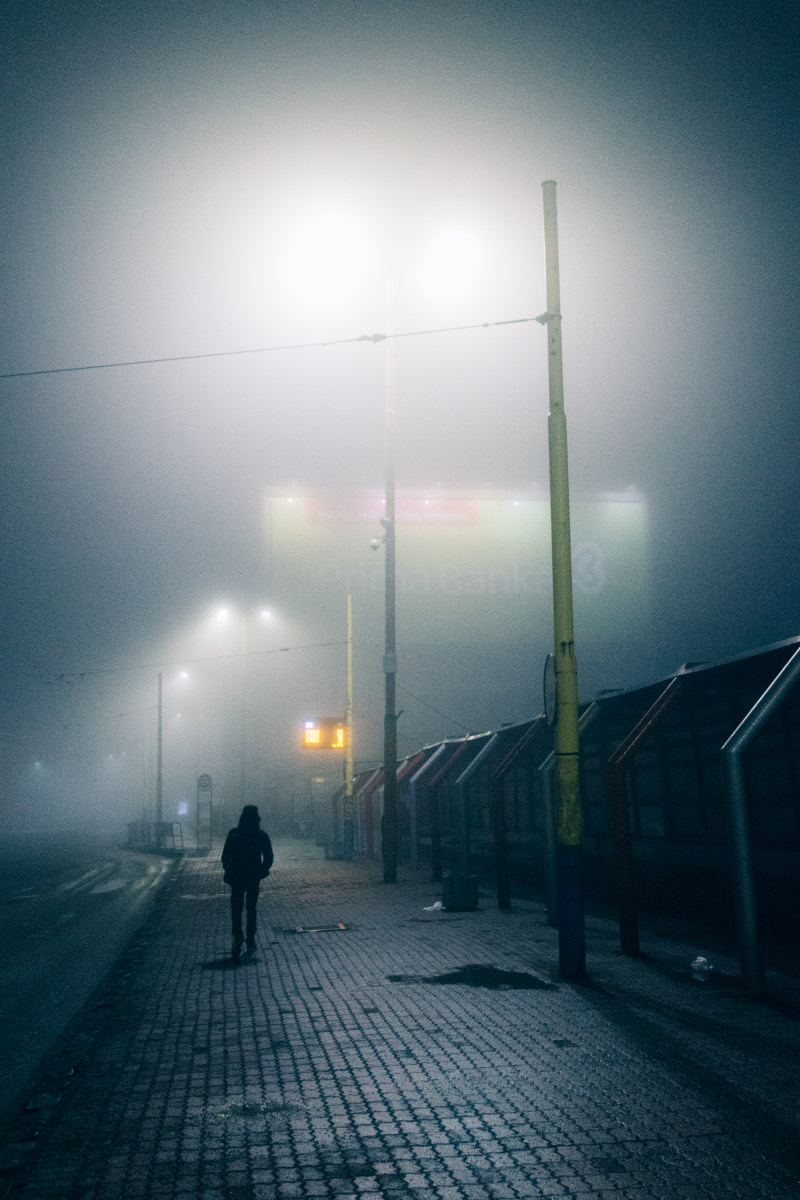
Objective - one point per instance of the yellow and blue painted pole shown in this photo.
(159, 762)
(571, 933)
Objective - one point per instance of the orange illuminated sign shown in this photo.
(324, 733)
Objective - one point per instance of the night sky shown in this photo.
(183, 179)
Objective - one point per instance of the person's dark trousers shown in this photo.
(238, 897)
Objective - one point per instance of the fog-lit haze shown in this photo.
(185, 179)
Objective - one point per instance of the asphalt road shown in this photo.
(68, 906)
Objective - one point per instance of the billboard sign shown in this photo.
(471, 566)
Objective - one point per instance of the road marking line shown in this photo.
(84, 879)
(113, 885)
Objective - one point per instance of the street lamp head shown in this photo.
(328, 258)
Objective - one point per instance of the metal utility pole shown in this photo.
(389, 830)
(348, 830)
(571, 933)
(145, 761)
(242, 711)
(159, 777)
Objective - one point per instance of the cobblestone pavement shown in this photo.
(412, 1053)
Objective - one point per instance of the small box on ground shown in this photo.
(460, 892)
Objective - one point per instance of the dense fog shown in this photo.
(182, 182)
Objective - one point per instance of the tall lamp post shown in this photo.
(453, 251)
(159, 763)
(389, 837)
(571, 935)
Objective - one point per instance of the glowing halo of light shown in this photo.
(450, 265)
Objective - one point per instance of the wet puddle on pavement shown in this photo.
(242, 1111)
(480, 975)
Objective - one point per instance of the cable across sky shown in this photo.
(364, 337)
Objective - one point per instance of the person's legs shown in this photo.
(237, 904)
(252, 900)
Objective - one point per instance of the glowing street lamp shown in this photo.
(452, 262)
(451, 266)
(333, 250)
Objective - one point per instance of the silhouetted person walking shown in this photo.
(247, 858)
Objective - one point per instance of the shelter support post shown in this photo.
(550, 844)
(463, 849)
(413, 814)
(436, 835)
(623, 857)
(616, 777)
(498, 803)
(369, 824)
(423, 790)
(464, 854)
(750, 949)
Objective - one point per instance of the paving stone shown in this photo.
(306, 1072)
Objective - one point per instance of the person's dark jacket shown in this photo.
(246, 856)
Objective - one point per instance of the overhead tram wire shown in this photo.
(373, 338)
(51, 677)
(172, 358)
(438, 711)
